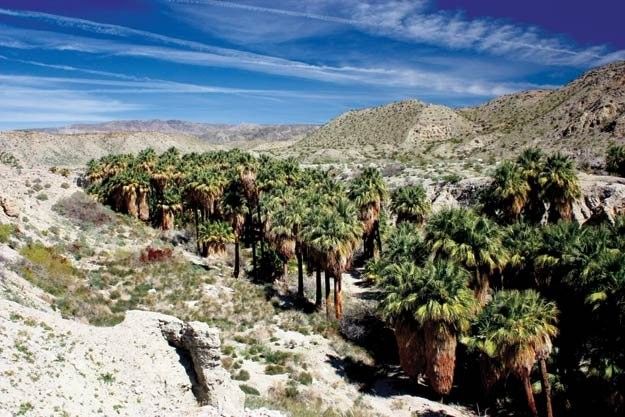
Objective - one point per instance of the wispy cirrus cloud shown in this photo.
(27, 104)
(205, 55)
(416, 21)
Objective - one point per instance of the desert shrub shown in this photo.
(451, 178)
(6, 231)
(64, 186)
(249, 390)
(275, 369)
(227, 362)
(84, 210)
(49, 270)
(61, 171)
(54, 271)
(151, 254)
(9, 160)
(41, 196)
(304, 378)
(277, 357)
(242, 375)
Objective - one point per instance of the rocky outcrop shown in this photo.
(212, 383)
(133, 369)
(10, 208)
(603, 197)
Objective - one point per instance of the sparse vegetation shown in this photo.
(6, 231)
(9, 160)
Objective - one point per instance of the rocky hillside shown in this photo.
(213, 133)
(580, 119)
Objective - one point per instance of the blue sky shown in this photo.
(285, 61)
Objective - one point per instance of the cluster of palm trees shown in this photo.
(230, 197)
(512, 283)
(516, 282)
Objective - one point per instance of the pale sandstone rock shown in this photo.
(10, 207)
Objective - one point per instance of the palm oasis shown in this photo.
(507, 303)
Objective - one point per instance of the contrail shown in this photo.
(232, 5)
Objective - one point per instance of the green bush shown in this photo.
(6, 231)
(249, 390)
(8, 159)
(275, 370)
(243, 375)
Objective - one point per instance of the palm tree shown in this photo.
(472, 240)
(410, 204)
(127, 191)
(247, 177)
(279, 227)
(369, 191)
(202, 191)
(333, 234)
(513, 330)
(560, 186)
(214, 236)
(532, 161)
(436, 301)
(509, 191)
(404, 244)
(233, 208)
(169, 204)
(615, 160)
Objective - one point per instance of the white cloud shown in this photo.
(398, 77)
(24, 104)
(415, 21)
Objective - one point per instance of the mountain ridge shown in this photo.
(211, 132)
(580, 118)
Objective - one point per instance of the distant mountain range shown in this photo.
(213, 133)
(580, 119)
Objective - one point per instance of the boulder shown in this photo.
(10, 207)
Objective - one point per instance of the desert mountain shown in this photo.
(580, 119)
(77, 149)
(213, 133)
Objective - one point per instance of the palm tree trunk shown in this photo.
(337, 312)
(300, 273)
(340, 297)
(378, 238)
(261, 232)
(318, 296)
(527, 386)
(236, 258)
(197, 230)
(327, 294)
(252, 233)
(254, 260)
(544, 380)
(482, 287)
